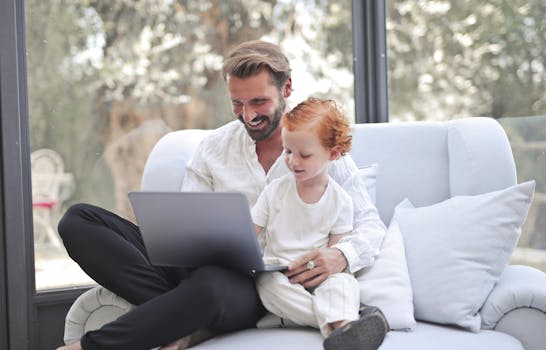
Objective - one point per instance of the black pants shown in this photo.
(171, 303)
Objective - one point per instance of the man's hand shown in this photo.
(326, 261)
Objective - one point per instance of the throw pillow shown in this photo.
(386, 284)
(457, 249)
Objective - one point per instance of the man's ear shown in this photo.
(287, 89)
(335, 152)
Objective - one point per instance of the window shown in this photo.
(456, 59)
(108, 79)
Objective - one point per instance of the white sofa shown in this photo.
(427, 162)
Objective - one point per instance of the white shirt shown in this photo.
(226, 161)
(293, 227)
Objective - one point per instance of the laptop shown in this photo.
(192, 229)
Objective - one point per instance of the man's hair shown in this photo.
(323, 116)
(252, 57)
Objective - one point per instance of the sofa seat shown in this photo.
(424, 336)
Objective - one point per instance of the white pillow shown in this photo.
(457, 249)
(363, 179)
(386, 284)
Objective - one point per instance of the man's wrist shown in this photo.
(345, 250)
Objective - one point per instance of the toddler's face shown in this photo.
(305, 156)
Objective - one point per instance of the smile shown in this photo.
(257, 122)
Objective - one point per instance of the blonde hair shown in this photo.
(326, 116)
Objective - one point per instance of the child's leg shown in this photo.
(286, 300)
(336, 301)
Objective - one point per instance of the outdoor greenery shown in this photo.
(100, 69)
(453, 59)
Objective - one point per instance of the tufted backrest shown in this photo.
(426, 162)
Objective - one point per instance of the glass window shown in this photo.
(455, 59)
(108, 78)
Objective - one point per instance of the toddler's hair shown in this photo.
(327, 119)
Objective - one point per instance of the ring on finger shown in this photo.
(310, 265)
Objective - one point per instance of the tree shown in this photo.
(452, 59)
(133, 70)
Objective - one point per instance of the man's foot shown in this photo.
(73, 346)
(195, 338)
(366, 333)
(180, 344)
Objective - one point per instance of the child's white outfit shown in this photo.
(293, 228)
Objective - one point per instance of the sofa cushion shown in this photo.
(166, 164)
(386, 284)
(429, 336)
(413, 162)
(424, 337)
(457, 249)
(472, 143)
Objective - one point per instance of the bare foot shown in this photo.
(73, 346)
(180, 344)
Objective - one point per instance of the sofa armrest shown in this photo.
(91, 310)
(517, 306)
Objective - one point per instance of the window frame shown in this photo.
(370, 48)
(16, 207)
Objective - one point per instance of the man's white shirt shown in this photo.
(226, 161)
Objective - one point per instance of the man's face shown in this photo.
(257, 103)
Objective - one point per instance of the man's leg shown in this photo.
(111, 251)
(211, 297)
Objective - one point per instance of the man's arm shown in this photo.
(197, 176)
(361, 247)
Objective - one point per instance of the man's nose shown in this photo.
(248, 113)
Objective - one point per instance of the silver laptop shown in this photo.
(192, 229)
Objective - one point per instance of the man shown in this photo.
(241, 156)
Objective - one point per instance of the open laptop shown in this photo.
(191, 229)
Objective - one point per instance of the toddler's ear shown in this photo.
(335, 152)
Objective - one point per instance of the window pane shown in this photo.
(455, 59)
(108, 78)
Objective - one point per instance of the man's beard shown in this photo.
(274, 121)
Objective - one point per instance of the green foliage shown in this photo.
(161, 59)
(61, 90)
(452, 59)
